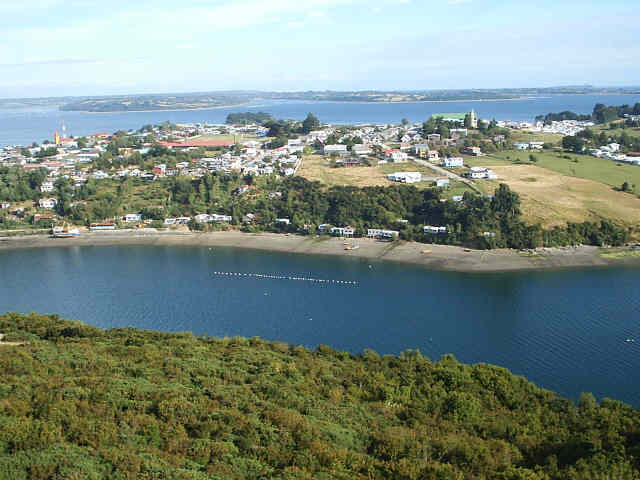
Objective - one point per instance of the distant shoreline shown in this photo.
(435, 257)
(219, 107)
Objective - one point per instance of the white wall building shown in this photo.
(405, 177)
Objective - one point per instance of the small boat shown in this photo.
(103, 226)
(427, 251)
(352, 247)
(64, 232)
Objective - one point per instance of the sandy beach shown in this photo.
(439, 257)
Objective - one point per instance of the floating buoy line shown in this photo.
(282, 277)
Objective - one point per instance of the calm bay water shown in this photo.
(23, 126)
(564, 330)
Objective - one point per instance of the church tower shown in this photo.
(474, 119)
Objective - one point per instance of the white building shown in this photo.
(361, 149)
(405, 177)
(481, 172)
(283, 221)
(384, 234)
(453, 162)
(46, 187)
(442, 182)
(396, 156)
(434, 230)
(47, 203)
(335, 149)
(342, 231)
(133, 217)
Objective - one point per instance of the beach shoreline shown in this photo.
(434, 257)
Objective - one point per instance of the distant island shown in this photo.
(205, 100)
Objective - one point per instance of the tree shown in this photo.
(405, 122)
(505, 201)
(310, 123)
(573, 143)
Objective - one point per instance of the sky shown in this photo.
(89, 47)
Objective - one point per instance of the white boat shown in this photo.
(64, 232)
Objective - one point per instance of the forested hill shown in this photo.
(77, 402)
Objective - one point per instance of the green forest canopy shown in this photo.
(77, 402)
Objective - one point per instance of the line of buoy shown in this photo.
(283, 277)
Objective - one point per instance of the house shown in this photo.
(242, 189)
(475, 151)
(395, 155)
(324, 228)
(275, 195)
(4, 205)
(43, 216)
(283, 221)
(453, 162)
(159, 170)
(342, 231)
(457, 198)
(335, 150)
(382, 234)
(405, 177)
(177, 221)
(206, 218)
(442, 182)
(434, 137)
(521, 146)
(421, 149)
(614, 147)
(481, 172)
(47, 203)
(133, 217)
(434, 230)
(351, 162)
(248, 218)
(46, 187)
(361, 149)
(100, 175)
(488, 234)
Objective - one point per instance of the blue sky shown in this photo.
(88, 47)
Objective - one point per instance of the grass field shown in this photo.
(587, 167)
(522, 136)
(315, 167)
(553, 199)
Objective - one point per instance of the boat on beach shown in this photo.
(102, 226)
(64, 232)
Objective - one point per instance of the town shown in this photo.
(446, 153)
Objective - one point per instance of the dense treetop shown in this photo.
(80, 403)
